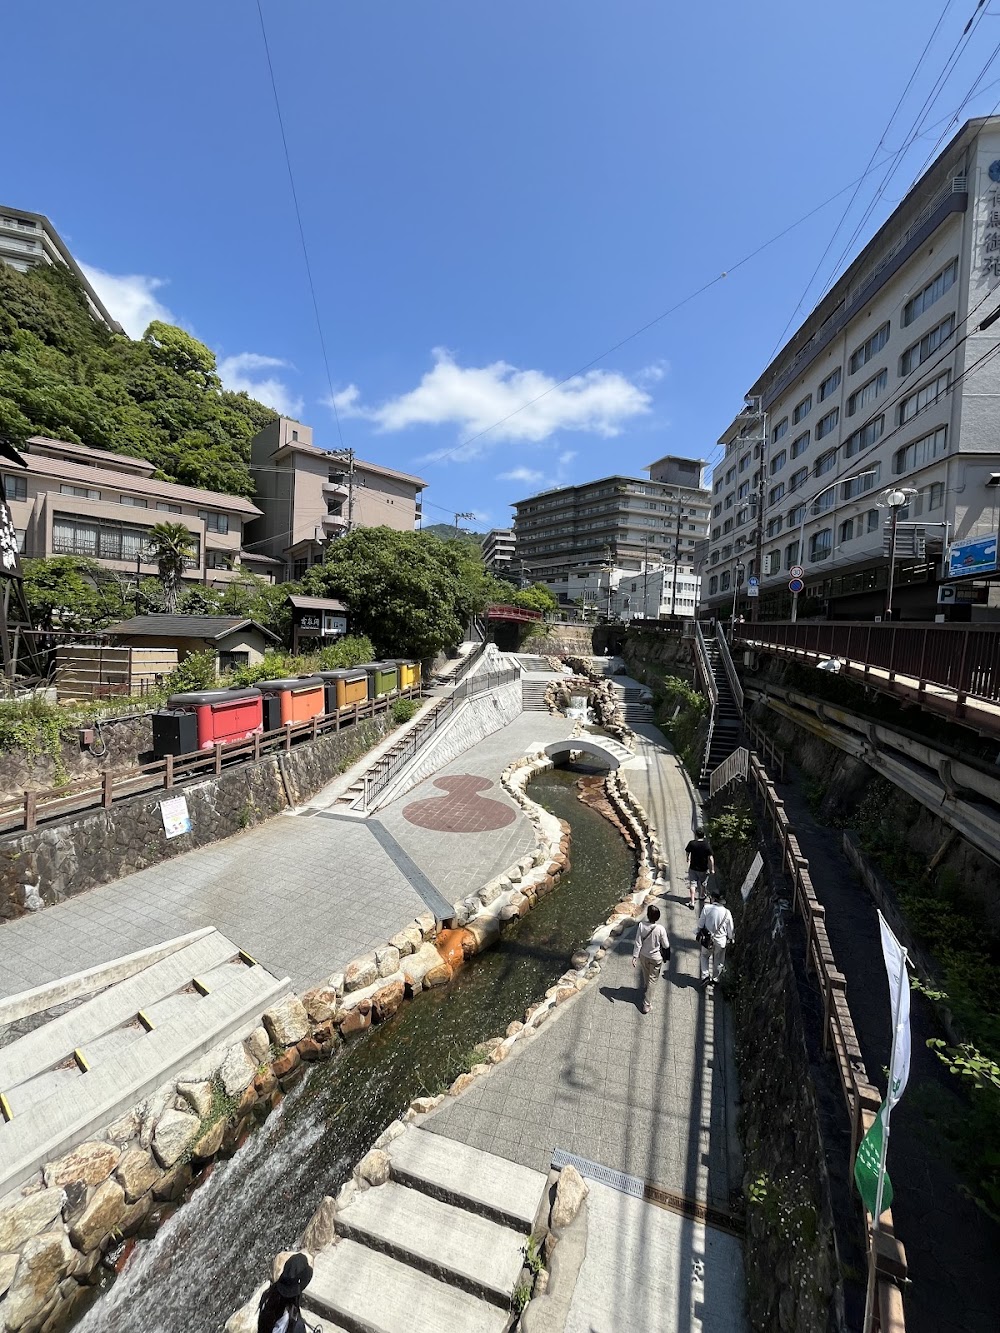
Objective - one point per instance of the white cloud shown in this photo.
(652, 374)
(130, 298)
(241, 372)
(525, 474)
(508, 403)
(566, 457)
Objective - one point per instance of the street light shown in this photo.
(894, 500)
(807, 512)
(738, 571)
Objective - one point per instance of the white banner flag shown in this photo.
(899, 1000)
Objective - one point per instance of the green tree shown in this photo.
(61, 592)
(172, 547)
(182, 353)
(201, 601)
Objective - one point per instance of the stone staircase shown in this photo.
(728, 721)
(533, 693)
(69, 1076)
(439, 1245)
(635, 704)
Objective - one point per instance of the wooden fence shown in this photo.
(101, 790)
(861, 1097)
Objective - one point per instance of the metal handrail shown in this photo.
(705, 665)
(731, 676)
(734, 766)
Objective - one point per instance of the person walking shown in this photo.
(652, 948)
(715, 933)
(278, 1311)
(701, 863)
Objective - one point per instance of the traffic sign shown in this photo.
(753, 590)
(753, 581)
(796, 572)
(795, 585)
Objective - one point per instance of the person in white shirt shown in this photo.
(652, 948)
(717, 920)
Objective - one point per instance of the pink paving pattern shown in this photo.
(463, 810)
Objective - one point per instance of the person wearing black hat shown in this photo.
(279, 1311)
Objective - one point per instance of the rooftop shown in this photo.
(317, 603)
(186, 627)
(332, 455)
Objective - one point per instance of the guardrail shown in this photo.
(101, 790)
(705, 666)
(861, 1097)
(762, 742)
(962, 658)
(733, 767)
(385, 769)
(730, 669)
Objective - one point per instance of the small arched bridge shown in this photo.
(602, 749)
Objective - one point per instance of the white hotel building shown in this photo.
(889, 383)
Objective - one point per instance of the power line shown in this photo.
(298, 219)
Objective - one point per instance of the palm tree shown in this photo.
(172, 547)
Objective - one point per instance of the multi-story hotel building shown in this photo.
(74, 500)
(498, 553)
(29, 239)
(309, 496)
(564, 536)
(890, 385)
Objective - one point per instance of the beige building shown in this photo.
(74, 500)
(29, 239)
(310, 496)
(889, 388)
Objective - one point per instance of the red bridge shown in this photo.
(502, 612)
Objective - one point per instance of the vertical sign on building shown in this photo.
(989, 244)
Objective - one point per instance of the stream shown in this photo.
(210, 1255)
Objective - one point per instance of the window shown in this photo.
(742, 516)
(870, 348)
(730, 500)
(927, 498)
(845, 532)
(926, 396)
(133, 501)
(231, 661)
(217, 560)
(772, 562)
(795, 515)
(820, 545)
(101, 540)
(730, 475)
(801, 444)
(828, 423)
(713, 584)
(862, 438)
(776, 493)
(165, 508)
(19, 536)
(295, 434)
(802, 409)
(81, 492)
(774, 526)
(920, 451)
(864, 481)
(717, 510)
(919, 352)
(825, 500)
(797, 478)
(216, 522)
(727, 526)
(874, 520)
(791, 554)
(860, 398)
(825, 463)
(831, 383)
(744, 462)
(16, 488)
(725, 580)
(299, 567)
(934, 290)
(778, 462)
(780, 429)
(744, 490)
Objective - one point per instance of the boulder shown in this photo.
(8, 1266)
(137, 1173)
(480, 934)
(416, 966)
(286, 1063)
(100, 1217)
(387, 1000)
(45, 1261)
(309, 1049)
(461, 1083)
(414, 934)
(426, 924)
(175, 1132)
(490, 892)
(514, 1028)
(320, 1229)
(287, 1022)
(127, 1126)
(374, 1167)
(320, 1003)
(424, 1104)
(571, 1191)
(21, 1220)
(199, 1096)
(171, 1186)
(387, 960)
(209, 1143)
(403, 943)
(237, 1070)
(356, 1020)
(90, 1162)
(439, 975)
(259, 1044)
(359, 974)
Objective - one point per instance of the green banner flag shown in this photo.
(866, 1166)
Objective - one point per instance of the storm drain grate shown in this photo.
(638, 1189)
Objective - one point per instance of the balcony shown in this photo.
(336, 490)
(335, 523)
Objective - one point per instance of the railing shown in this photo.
(502, 611)
(704, 666)
(385, 769)
(731, 676)
(101, 790)
(731, 768)
(962, 658)
(861, 1097)
(468, 662)
(762, 742)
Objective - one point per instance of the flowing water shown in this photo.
(210, 1255)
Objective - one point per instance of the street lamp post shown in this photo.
(895, 500)
(738, 571)
(806, 513)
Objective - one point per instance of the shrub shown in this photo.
(196, 672)
(347, 652)
(402, 710)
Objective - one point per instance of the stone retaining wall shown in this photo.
(118, 743)
(60, 860)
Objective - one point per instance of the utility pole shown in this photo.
(757, 405)
(677, 544)
(459, 516)
(645, 577)
(350, 489)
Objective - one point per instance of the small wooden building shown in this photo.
(235, 640)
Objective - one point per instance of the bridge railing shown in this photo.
(504, 611)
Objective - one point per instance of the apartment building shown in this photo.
(888, 388)
(309, 496)
(656, 594)
(563, 536)
(498, 554)
(29, 239)
(74, 500)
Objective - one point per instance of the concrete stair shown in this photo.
(533, 694)
(440, 1245)
(728, 721)
(71, 1076)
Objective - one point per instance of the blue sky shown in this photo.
(492, 195)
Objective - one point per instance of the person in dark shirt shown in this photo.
(701, 864)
